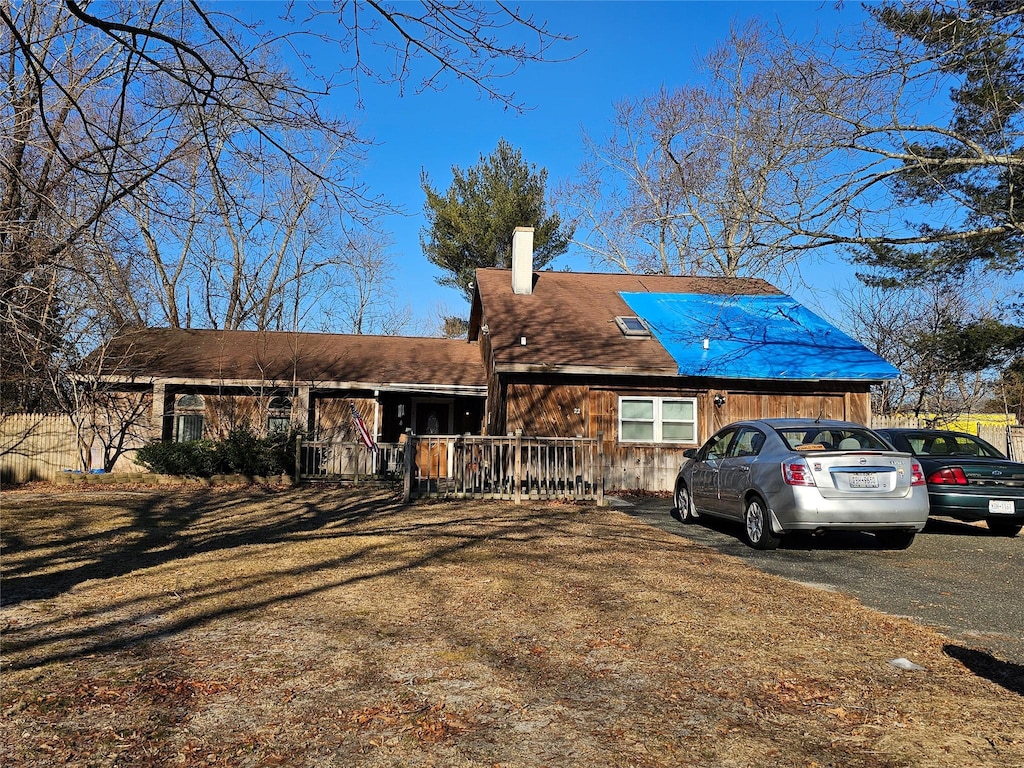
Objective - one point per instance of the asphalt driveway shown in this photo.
(957, 578)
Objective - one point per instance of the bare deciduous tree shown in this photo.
(915, 329)
(367, 302)
(169, 160)
(707, 178)
(939, 161)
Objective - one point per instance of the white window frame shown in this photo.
(658, 420)
(189, 409)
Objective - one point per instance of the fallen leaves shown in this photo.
(427, 723)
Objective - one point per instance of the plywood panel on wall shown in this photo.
(334, 417)
(604, 416)
(743, 406)
(543, 410)
(227, 412)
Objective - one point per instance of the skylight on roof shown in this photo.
(631, 325)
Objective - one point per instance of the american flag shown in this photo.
(364, 433)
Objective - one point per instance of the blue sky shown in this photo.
(625, 49)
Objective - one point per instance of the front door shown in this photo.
(734, 471)
(432, 417)
(706, 469)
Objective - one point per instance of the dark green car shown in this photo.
(968, 479)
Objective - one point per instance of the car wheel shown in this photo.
(895, 539)
(684, 510)
(757, 525)
(1003, 527)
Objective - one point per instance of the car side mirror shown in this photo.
(690, 453)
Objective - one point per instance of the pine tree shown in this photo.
(471, 225)
(969, 175)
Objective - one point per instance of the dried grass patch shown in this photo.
(335, 627)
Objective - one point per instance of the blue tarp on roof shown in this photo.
(754, 337)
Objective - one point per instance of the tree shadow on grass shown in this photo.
(384, 540)
(158, 528)
(1007, 674)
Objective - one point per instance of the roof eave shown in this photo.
(389, 386)
(585, 370)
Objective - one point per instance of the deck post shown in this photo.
(599, 473)
(517, 472)
(410, 462)
(298, 459)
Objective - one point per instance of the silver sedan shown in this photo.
(781, 475)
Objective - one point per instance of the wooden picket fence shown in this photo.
(37, 446)
(1015, 443)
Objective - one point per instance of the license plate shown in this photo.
(863, 480)
(1000, 506)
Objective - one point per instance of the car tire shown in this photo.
(1003, 527)
(895, 539)
(757, 525)
(684, 510)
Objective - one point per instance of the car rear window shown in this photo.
(832, 439)
(950, 444)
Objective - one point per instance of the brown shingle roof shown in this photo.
(569, 319)
(225, 356)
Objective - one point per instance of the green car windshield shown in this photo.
(832, 439)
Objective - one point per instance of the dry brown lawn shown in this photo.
(336, 627)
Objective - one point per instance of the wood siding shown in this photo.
(544, 411)
(334, 417)
(549, 409)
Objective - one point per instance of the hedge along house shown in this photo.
(191, 384)
(655, 364)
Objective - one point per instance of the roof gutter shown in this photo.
(455, 389)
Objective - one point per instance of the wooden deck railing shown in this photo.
(329, 460)
(467, 466)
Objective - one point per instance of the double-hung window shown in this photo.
(189, 419)
(279, 414)
(657, 419)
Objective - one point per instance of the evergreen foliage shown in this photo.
(471, 225)
(240, 453)
(970, 174)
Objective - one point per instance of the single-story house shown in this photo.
(189, 384)
(652, 364)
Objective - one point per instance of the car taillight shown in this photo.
(797, 473)
(948, 476)
(916, 473)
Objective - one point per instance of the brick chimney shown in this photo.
(522, 260)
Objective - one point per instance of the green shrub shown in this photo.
(241, 453)
(195, 459)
